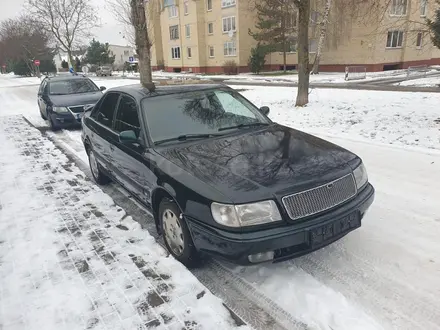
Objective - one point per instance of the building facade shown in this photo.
(122, 55)
(201, 36)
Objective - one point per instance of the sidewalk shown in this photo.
(72, 259)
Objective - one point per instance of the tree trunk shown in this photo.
(302, 97)
(322, 35)
(284, 56)
(70, 59)
(143, 43)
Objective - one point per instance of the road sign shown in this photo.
(85, 69)
(4, 66)
(37, 62)
(131, 59)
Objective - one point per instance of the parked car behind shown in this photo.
(220, 177)
(104, 71)
(61, 99)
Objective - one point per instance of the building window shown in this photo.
(228, 24)
(395, 39)
(291, 45)
(172, 11)
(188, 52)
(210, 28)
(230, 48)
(423, 7)
(419, 40)
(175, 53)
(398, 7)
(314, 16)
(209, 4)
(313, 46)
(185, 7)
(211, 51)
(174, 32)
(187, 30)
(228, 3)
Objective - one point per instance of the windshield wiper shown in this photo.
(243, 125)
(185, 137)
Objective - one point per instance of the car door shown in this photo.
(102, 133)
(130, 167)
(42, 97)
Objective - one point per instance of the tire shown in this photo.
(183, 251)
(99, 177)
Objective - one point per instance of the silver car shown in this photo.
(104, 71)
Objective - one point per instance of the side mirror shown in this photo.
(88, 107)
(265, 110)
(127, 137)
(102, 88)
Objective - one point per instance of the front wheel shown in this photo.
(52, 125)
(176, 234)
(99, 177)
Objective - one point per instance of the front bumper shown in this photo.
(287, 241)
(65, 120)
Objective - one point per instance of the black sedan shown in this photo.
(220, 177)
(61, 99)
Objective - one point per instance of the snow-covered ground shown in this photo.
(323, 77)
(383, 276)
(422, 82)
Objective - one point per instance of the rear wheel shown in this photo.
(176, 234)
(99, 177)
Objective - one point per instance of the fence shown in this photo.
(355, 72)
(417, 70)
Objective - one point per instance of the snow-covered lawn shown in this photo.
(383, 276)
(405, 119)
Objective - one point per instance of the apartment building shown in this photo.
(200, 36)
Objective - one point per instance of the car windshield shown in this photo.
(74, 86)
(199, 113)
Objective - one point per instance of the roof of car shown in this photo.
(164, 89)
(66, 77)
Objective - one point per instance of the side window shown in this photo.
(107, 109)
(127, 118)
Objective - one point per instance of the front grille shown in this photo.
(77, 109)
(321, 198)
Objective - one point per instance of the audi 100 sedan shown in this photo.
(220, 177)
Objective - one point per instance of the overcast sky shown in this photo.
(110, 31)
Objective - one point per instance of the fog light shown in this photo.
(261, 257)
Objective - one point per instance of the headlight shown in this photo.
(245, 214)
(60, 109)
(360, 176)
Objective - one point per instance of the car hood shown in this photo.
(262, 163)
(75, 99)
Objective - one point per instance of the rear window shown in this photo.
(73, 86)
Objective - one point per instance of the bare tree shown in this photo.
(69, 21)
(142, 40)
(322, 35)
(302, 97)
(121, 10)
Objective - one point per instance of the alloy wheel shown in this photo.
(173, 232)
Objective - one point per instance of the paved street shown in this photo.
(70, 258)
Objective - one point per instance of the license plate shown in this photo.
(320, 235)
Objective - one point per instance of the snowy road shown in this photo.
(385, 275)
